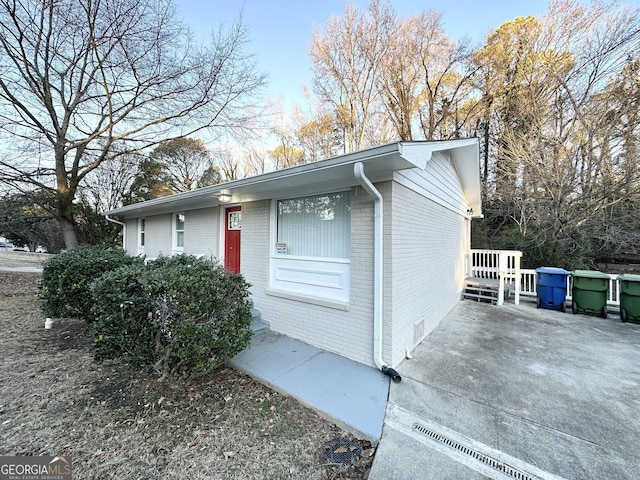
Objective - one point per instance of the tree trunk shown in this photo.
(68, 233)
(64, 214)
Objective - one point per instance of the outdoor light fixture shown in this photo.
(469, 211)
(224, 197)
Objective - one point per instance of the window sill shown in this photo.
(311, 259)
(323, 302)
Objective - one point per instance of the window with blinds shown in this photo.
(315, 226)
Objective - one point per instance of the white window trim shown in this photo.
(174, 233)
(327, 279)
(141, 246)
(274, 226)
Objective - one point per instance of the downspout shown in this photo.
(124, 230)
(378, 265)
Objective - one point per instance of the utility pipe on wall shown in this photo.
(124, 230)
(378, 265)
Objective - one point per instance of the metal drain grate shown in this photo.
(341, 450)
(502, 467)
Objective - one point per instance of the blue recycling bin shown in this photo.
(551, 285)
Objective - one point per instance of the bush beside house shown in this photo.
(66, 279)
(181, 316)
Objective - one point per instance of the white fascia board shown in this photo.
(336, 170)
(419, 153)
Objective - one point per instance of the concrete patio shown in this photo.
(536, 393)
(493, 392)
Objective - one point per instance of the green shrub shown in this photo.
(66, 279)
(180, 315)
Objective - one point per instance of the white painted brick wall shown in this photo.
(202, 232)
(348, 333)
(131, 245)
(254, 246)
(428, 247)
(424, 245)
(158, 236)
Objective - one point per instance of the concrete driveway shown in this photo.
(516, 392)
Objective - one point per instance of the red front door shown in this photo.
(232, 239)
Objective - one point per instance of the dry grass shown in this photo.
(9, 258)
(115, 423)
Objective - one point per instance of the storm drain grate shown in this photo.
(502, 467)
(342, 450)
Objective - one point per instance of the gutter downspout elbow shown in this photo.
(378, 268)
(124, 230)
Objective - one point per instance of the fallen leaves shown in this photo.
(348, 457)
(18, 284)
(106, 415)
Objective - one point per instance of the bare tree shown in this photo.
(316, 137)
(560, 93)
(255, 161)
(400, 82)
(228, 164)
(285, 156)
(106, 186)
(80, 77)
(346, 62)
(423, 77)
(386, 77)
(282, 129)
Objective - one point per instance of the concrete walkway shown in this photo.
(537, 393)
(352, 395)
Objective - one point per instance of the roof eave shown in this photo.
(326, 175)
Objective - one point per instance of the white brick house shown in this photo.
(361, 254)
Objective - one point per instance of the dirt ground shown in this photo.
(115, 423)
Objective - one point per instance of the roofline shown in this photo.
(405, 149)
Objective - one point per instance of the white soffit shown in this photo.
(419, 153)
(467, 163)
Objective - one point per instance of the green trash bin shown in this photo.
(589, 292)
(629, 288)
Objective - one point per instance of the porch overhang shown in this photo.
(328, 175)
